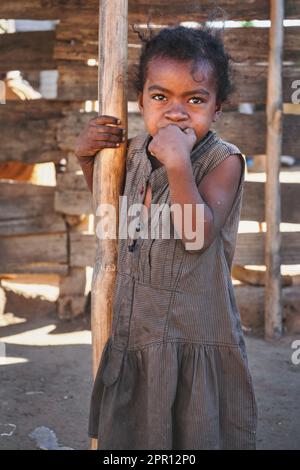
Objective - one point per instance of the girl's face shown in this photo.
(172, 96)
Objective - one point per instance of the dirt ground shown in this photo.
(46, 383)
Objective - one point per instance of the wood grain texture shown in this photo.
(109, 168)
(29, 130)
(139, 10)
(34, 253)
(246, 45)
(273, 302)
(32, 50)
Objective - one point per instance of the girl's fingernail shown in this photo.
(118, 121)
(118, 145)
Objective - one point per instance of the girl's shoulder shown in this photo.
(214, 153)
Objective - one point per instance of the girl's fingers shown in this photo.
(109, 138)
(107, 120)
(109, 130)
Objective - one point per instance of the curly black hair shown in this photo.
(197, 44)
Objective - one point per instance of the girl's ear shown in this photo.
(140, 102)
(218, 112)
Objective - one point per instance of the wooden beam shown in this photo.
(253, 207)
(139, 10)
(250, 248)
(20, 200)
(32, 50)
(109, 169)
(50, 223)
(72, 196)
(246, 45)
(248, 132)
(35, 268)
(29, 130)
(33, 253)
(273, 303)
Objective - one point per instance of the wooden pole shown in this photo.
(273, 304)
(109, 169)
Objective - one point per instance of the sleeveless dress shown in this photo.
(174, 372)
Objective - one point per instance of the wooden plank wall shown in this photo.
(45, 130)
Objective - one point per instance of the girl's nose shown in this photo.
(176, 113)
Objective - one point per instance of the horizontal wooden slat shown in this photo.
(33, 253)
(35, 268)
(248, 132)
(31, 50)
(72, 196)
(253, 207)
(249, 250)
(78, 81)
(50, 223)
(70, 181)
(36, 110)
(82, 249)
(20, 200)
(251, 83)
(139, 10)
(244, 44)
(28, 209)
(28, 130)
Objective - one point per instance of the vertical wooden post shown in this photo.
(273, 304)
(109, 169)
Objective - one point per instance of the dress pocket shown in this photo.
(111, 364)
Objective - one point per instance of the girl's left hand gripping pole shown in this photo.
(109, 169)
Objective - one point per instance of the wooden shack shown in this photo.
(47, 229)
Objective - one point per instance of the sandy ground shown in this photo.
(46, 384)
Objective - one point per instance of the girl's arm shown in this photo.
(87, 166)
(101, 132)
(216, 193)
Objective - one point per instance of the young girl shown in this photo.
(174, 372)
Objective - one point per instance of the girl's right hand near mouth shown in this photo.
(101, 132)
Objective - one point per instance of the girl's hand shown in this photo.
(172, 146)
(99, 133)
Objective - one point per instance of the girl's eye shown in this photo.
(158, 97)
(200, 100)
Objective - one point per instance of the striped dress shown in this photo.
(174, 373)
